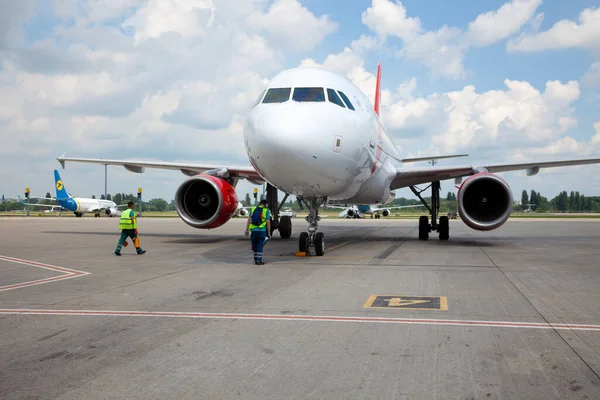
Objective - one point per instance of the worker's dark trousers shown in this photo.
(125, 233)
(258, 241)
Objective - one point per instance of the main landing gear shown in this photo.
(283, 224)
(312, 238)
(443, 226)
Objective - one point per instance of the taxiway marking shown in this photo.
(313, 318)
(67, 273)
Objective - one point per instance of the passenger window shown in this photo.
(346, 100)
(258, 99)
(277, 95)
(309, 94)
(334, 98)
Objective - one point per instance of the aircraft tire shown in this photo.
(423, 227)
(303, 242)
(444, 228)
(285, 227)
(320, 244)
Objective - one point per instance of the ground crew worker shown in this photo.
(128, 226)
(259, 232)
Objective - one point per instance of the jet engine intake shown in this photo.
(205, 202)
(385, 213)
(350, 213)
(111, 212)
(484, 201)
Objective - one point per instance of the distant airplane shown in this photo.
(313, 134)
(242, 211)
(79, 205)
(359, 211)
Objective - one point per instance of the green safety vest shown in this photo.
(125, 221)
(264, 218)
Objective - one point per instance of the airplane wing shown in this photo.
(139, 167)
(410, 177)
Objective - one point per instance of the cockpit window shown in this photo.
(334, 98)
(258, 99)
(308, 94)
(346, 100)
(277, 95)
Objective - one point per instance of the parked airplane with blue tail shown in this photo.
(78, 205)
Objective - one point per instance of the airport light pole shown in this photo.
(27, 197)
(105, 181)
(140, 200)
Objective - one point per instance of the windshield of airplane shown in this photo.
(277, 95)
(334, 98)
(308, 94)
(346, 100)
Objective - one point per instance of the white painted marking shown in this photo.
(68, 273)
(313, 318)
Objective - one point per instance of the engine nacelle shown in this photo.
(111, 212)
(243, 212)
(385, 213)
(205, 201)
(350, 213)
(484, 201)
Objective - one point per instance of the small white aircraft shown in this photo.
(242, 211)
(359, 211)
(79, 205)
(312, 133)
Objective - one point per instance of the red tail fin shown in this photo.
(378, 89)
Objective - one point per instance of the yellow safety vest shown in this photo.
(125, 221)
(264, 219)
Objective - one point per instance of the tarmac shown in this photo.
(508, 314)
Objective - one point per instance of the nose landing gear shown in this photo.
(312, 239)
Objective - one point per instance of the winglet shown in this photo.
(61, 159)
(378, 89)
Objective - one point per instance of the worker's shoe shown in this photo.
(117, 253)
(141, 252)
(260, 262)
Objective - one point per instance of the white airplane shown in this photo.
(79, 205)
(359, 211)
(241, 211)
(312, 133)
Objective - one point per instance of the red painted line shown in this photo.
(314, 318)
(67, 273)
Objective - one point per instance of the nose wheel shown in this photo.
(312, 241)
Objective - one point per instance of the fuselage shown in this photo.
(313, 133)
(82, 204)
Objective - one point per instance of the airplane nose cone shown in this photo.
(293, 149)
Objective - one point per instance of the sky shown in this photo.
(504, 81)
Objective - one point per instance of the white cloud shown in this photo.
(564, 34)
(13, 14)
(444, 49)
(187, 18)
(292, 25)
(518, 116)
(493, 26)
(592, 77)
(390, 19)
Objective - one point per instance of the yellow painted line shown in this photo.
(337, 246)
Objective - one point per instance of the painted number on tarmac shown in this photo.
(408, 302)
